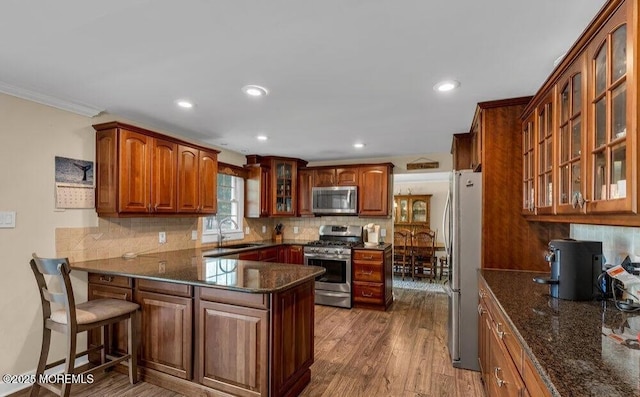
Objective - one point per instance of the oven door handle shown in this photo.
(330, 293)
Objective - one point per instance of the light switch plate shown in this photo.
(383, 232)
(7, 219)
(264, 229)
(194, 235)
(295, 230)
(247, 230)
(162, 237)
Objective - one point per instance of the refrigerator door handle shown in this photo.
(446, 233)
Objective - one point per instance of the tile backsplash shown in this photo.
(617, 241)
(115, 236)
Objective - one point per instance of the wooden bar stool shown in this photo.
(73, 319)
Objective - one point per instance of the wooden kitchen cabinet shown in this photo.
(305, 199)
(275, 194)
(225, 334)
(143, 173)
(166, 327)
(269, 254)
(296, 255)
(595, 127)
(110, 287)
(335, 176)
(197, 185)
(462, 149)
(372, 278)
(374, 195)
(505, 368)
(257, 191)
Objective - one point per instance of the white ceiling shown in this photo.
(338, 71)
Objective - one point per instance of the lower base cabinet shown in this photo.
(166, 340)
(226, 337)
(505, 369)
(372, 278)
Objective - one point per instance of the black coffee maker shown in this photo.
(575, 268)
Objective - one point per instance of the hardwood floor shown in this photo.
(401, 352)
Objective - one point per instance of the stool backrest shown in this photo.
(59, 269)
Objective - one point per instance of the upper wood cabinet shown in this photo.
(140, 172)
(461, 149)
(374, 194)
(585, 150)
(344, 176)
(305, 184)
(272, 186)
(197, 172)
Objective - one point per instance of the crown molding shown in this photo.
(77, 108)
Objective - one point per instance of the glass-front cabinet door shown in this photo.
(571, 195)
(402, 210)
(610, 118)
(544, 163)
(284, 188)
(528, 191)
(419, 210)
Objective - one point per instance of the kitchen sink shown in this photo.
(242, 245)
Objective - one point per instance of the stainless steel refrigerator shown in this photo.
(462, 226)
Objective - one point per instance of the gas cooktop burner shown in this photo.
(329, 243)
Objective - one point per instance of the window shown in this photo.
(230, 211)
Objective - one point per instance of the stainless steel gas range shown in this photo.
(333, 252)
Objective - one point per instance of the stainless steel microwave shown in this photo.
(342, 200)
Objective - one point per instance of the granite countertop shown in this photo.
(579, 348)
(192, 267)
(379, 247)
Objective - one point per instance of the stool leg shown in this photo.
(70, 363)
(103, 341)
(42, 362)
(132, 323)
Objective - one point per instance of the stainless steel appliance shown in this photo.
(333, 252)
(462, 227)
(341, 200)
(575, 268)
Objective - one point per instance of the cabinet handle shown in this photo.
(149, 207)
(106, 278)
(367, 257)
(155, 208)
(499, 382)
(481, 310)
(370, 272)
(366, 295)
(500, 333)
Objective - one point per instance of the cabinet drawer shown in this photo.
(368, 272)
(259, 301)
(164, 287)
(504, 379)
(368, 292)
(505, 334)
(368, 255)
(108, 279)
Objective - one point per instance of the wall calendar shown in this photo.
(74, 183)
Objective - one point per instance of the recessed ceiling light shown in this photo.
(358, 145)
(255, 90)
(183, 103)
(446, 85)
(262, 137)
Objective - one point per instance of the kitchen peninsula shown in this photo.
(214, 324)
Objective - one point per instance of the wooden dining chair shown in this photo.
(72, 319)
(423, 254)
(401, 253)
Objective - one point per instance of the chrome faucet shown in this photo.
(220, 236)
